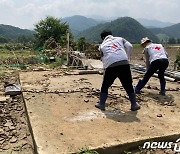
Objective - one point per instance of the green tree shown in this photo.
(25, 39)
(178, 41)
(50, 27)
(172, 41)
(81, 44)
(3, 39)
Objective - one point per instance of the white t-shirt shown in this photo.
(155, 51)
(113, 50)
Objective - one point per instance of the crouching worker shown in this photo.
(156, 60)
(115, 64)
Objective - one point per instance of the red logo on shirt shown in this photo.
(157, 48)
(114, 46)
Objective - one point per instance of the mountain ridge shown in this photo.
(154, 23)
(170, 31)
(78, 23)
(12, 32)
(126, 27)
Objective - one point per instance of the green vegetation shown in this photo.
(173, 31)
(81, 44)
(136, 46)
(53, 31)
(168, 34)
(79, 23)
(2, 74)
(3, 39)
(51, 27)
(81, 26)
(14, 56)
(14, 34)
(163, 37)
(125, 27)
(15, 50)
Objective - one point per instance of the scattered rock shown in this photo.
(13, 140)
(8, 123)
(159, 115)
(3, 98)
(156, 88)
(86, 100)
(40, 69)
(1, 131)
(149, 87)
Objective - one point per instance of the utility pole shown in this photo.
(67, 52)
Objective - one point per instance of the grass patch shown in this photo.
(16, 54)
(2, 74)
(137, 46)
(54, 64)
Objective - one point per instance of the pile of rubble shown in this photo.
(15, 136)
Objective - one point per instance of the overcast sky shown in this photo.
(26, 13)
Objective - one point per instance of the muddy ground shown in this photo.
(15, 134)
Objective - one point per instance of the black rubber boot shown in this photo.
(101, 105)
(162, 85)
(134, 105)
(139, 86)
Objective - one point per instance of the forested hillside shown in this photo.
(11, 32)
(153, 23)
(171, 31)
(126, 27)
(89, 28)
(79, 23)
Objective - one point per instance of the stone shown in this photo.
(86, 100)
(13, 140)
(8, 123)
(3, 98)
(159, 115)
(1, 131)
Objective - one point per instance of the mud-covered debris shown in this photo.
(13, 89)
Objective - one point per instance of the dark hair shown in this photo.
(105, 33)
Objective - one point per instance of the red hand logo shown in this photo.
(157, 48)
(114, 46)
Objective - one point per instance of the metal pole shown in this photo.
(67, 52)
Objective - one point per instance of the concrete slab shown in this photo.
(96, 64)
(64, 119)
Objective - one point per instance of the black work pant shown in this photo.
(122, 72)
(158, 66)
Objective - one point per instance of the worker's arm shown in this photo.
(166, 52)
(101, 53)
(147, 58)
(128, 47)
